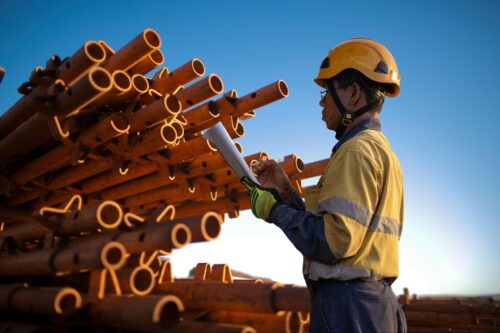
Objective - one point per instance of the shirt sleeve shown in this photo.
(306, 232)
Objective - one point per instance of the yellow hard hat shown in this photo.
(366, 56)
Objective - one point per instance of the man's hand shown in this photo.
(272, 175)
(262, 200)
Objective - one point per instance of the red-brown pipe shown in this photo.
(165, 82)
(260, 97)
(70, 70)
(199, 91)
(148, 63)
(60, 261)
(166, 107)
(74, 67)
(132, 53)
(143, 314)
(45, 300)
(263, 297)
(105, 130)
(314, 169)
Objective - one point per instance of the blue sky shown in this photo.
(442, 126)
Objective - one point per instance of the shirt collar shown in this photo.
(370, 123)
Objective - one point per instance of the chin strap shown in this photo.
(347, 116)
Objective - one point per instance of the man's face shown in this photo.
(331, 114)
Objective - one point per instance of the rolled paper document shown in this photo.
(218, 135)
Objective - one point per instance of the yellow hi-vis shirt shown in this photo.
(360, 197)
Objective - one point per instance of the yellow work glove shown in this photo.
(262, 200)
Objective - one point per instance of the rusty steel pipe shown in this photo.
(121, 83)
(77, 173)
(138, 280)
(53, 160)
(6, 327)
(74, 67)
(165, 82)
(125, 58)
(231, 205)
(108, 50)
(166, 193)
(157, 138)
(143, 314)
(314, 169)
(187, 326)
(199, 91)
(224, 106)
(292, 165)
(262, 297)
(45, 300)
(149, 237)
(105, 130)
(260, 97)
(140, 86)
(153, 113)
(83, 92)
(203, 228)
(36, 128)
(70, 70)
(110, 179)
(283, 321)
(201, 165)
(201, 114)
(147, 63)
(106, 215)
(60, 261)
(24, 231)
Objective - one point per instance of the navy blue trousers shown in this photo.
(355, 306)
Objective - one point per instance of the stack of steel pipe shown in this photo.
(103, 173)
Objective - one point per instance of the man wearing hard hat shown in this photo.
(349, 228)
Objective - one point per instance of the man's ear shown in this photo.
(355, 92)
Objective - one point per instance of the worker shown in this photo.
(349, 227)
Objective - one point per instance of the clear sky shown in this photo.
(442, 126)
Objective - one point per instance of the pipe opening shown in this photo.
(141, 281)
(152, 38)
(68, 65)
(100, 78)
(299, 164)
(229, 173)
(181, 235)
(114, 256)
(109, 215)
(140, 83)
(283, 88)
(204, 164)
(239, 130)
(210, 226)
(122, 81)
(215, 83)
(156, 57)
(173, 104)
(198, 67)
(292, 322)
(95, 51)
(213, 109)
(179, 129)
(168, 134)
(169, 315)
(141, 236)
(67, 303)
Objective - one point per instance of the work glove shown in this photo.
(262, 200)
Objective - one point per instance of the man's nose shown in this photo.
(322, 102)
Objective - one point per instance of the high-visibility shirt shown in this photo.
(354, 215)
